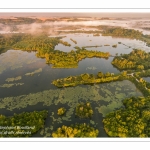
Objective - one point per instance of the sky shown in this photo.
(72, 14)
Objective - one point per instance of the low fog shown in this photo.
(52, 27)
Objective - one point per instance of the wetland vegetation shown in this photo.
(136, 60)
(84, 110)
(86, 79)
(77, 130)
(96, 103)
(22, 125)
(127, 33)
(61, 111)
(45, 49)
(61, 59)
(132, 121)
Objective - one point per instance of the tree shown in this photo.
(85, 76)
(61, 111)
(124, 73)
(141, 67)
(100, 74)
(107, 74)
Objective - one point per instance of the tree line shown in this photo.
(126, 33)
(89, 79)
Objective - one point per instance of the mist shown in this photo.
(52, 28)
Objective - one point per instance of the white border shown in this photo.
(69, 10)
(74, 4)
(105, 143)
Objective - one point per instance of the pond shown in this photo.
(25, 83)
(146, 79)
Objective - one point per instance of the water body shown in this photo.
(147, 79)
(104, 98)
(33, 89)
(83, 40)
(19, 63)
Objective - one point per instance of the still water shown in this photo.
(20, 91)
(147, 79)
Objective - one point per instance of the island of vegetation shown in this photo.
(19, 20)
(81, 31)
(131, 121)
(77, 130)
(88, 79)
(91, 46)
(45, 47)
(126, 33)
(22, 125)
(13, 79)
(134, 77)
(137, 65)
(70, 59)
(61, 111)
(114, 46)
(136, 60)
(75, 42)
(116, 32)
(84, 110)
(64, 43)
(34, 72)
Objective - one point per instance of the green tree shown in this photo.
(100, 74)
(85, 76)
(107, 74)
(141, 67)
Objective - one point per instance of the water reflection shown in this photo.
(90, 40)
(18, 63)
(104, 97)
